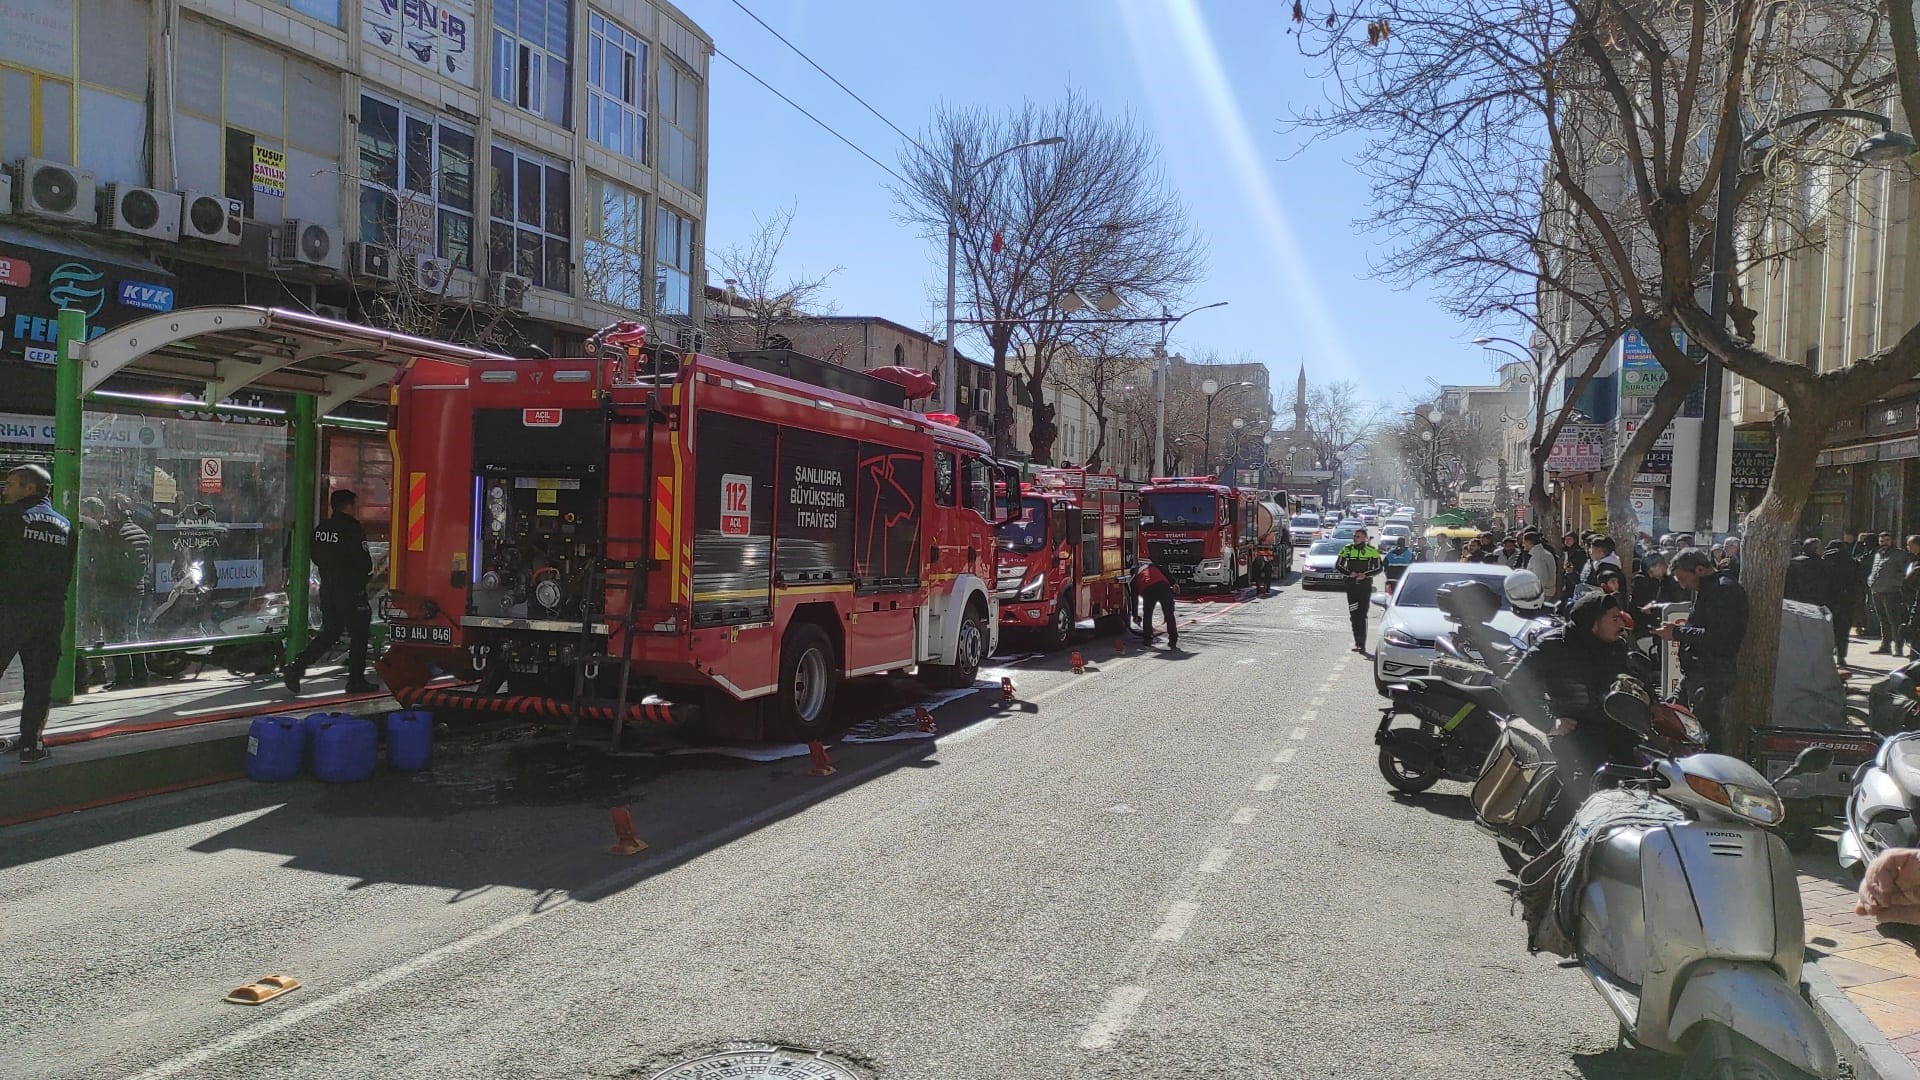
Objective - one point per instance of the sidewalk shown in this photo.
(1866, 983)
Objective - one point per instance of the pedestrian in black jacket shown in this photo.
(36, 567)
(1653, 585)
(1843, 593)
(1562, 682)
(1807, 576)
(1709, 640)
(340, 553)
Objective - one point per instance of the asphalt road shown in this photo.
(1174, 865)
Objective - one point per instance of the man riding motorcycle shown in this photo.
(1562, 682)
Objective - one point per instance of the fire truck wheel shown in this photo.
(973, 650)
(1059, 628)
(809, 680)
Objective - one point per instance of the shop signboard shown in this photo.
(1752, 459)
(1641, 498)
(1640, 374)
(1580, 448)
(438, 36)
(36, 282)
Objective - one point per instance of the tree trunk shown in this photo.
(1766, 545)
(1002, 401)
(1539, 502)
(1043, 432)
(1622, 524)
(1094, 460)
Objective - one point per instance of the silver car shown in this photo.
(1317, 566)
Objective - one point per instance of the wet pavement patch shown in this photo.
(748, 1061)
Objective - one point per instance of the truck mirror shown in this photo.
(1010, 474)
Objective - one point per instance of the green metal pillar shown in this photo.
(306, 475)
(71, 331)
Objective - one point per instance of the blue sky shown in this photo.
(1210, 80)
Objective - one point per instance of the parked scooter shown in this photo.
(1682, 907)
(1458, 707)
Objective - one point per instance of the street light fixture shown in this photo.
(1075, 300)
(950, 397)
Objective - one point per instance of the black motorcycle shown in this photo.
(1457, 709)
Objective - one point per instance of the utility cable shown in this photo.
(849, 90)
(803, 112)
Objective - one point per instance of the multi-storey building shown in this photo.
(508, 172)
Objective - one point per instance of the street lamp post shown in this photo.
(950, 397)
(1209, 388)
(1885, 146)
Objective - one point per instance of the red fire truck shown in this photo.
(1066, 556)
(1201, 532)
(640, 537)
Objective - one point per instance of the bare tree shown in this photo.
(1341, 419)
(1091, 213)
(425, 299)
(1629, 114)
(755, 284)
(1107, 363)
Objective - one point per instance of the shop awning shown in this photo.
(236, 348)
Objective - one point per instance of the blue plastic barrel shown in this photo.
(410, 740)
(275, 748)
(310, 723)
(346, 749)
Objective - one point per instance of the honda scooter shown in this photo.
(1682, 907)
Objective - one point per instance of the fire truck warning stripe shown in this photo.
(416, 511)
(663, 517)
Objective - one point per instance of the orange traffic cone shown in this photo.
(1119, 646)
(923, 720)
(626, 841)
(822, 764)
(1079, 663)
(1006, 689)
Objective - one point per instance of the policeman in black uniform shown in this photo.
(36, 567)
(340, 553)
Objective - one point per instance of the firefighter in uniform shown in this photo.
(340, 553)
(1358, 562)
(1153, 588)
(36, 567)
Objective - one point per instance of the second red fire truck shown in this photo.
(1201, 532)
(1067, 554)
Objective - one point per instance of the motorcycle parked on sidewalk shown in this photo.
(1883, 809)
(1677, 899)
(1459, 706)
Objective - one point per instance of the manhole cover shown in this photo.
(750, 1061)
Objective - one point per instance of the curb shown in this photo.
(1857, 1039)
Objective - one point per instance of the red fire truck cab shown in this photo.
(644, 538)
(1067, 555)
(1201, 532)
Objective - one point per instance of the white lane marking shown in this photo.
(1248, 660)
(194, 1061)
(1267, 782)
(1298, 734)
(1318, 700)
(1244, 815)
(1284, 756)
(1215, 860)
(1309, 716)
(1114, 1017)
(1179, 920)
(975, 730)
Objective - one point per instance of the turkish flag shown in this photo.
(999, 242)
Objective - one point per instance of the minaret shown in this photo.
(1300, 403)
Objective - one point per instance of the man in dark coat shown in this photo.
(1709, 639)
(1807, 576)
(36, 568)
(340, 553)
(1843, 593)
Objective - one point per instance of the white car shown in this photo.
(1304, 528)
(1316, 566)
(1413, 618)
(1394, 530)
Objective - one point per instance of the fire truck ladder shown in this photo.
(614, 573)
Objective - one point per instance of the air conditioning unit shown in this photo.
(333, 311)
(308, 243)
(370, 262)
(213, 218)
(140, 211)
(508, 291)
(431, 275)
(50, 189)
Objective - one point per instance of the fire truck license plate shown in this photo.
(426, 635)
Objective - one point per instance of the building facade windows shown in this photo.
(326, 11)
(679, 111)
(616, 88)
(673, 266)
(416, 183)
(532, 54)
(529, 231)
(614, 255)
(87, 110)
